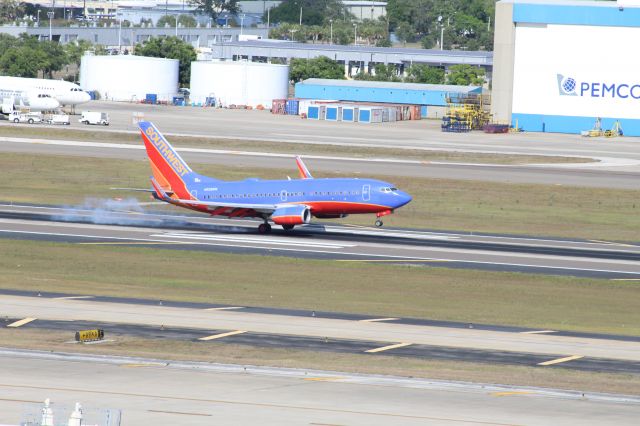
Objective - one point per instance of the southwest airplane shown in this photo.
(40, 94)
(284, 202)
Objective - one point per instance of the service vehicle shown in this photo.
(25, 117)
(59, 119)
(94, 117)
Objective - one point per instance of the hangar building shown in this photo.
(559, 65)
(432, 97)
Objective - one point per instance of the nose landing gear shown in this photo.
(379, 222)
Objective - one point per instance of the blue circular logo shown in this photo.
(568, 85)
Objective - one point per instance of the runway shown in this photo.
(620, 173)
(149, 391)
(600, 259)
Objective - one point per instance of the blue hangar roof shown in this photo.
(572, 12)
(379, 91)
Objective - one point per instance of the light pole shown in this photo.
(300, 15)
(355, 34)
(50, 15)
(176, 26)
(38, 17)
(242, 23)
(331, 31)
(119, 15)
(441, 32)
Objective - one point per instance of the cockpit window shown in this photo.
(388, 189)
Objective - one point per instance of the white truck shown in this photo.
(59, 119)
(94, 117)
(25, 117)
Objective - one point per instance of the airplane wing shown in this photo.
(302, 169)
(150, 191)
(260, 208)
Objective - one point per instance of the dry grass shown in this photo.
(547, 302)
(219, 352)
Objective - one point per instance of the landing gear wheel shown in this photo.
(287, 227)
(379, 223)
(264, 228)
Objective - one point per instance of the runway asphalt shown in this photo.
(315, 314)
(151, 391)
(376, 332)
(600, 259)
(319, 344)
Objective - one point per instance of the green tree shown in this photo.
(465, 22)
(382, 73)
(321, 67)
(314, 12)
(22, 61)
(465, 75)
(56, 57)
(10, 10)
(166, 20)
(213, 8)
(187, 21)
(74, 52)
(420, 73)
(172, 48)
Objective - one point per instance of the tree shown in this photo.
(22, 61)
(172, 48)
(314, 12)
(383, 72)
(465, 22)
(74, 52)
(186, 21)
(10, 10)
(465, 75)
(321, 67)
(420, 73)
(213, 8)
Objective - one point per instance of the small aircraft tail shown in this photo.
(169, 169)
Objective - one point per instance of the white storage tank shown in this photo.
(238, 83)
(129, 77)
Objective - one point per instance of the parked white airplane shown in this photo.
(41, 94)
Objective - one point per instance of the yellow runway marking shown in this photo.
(179, 412)
(559, 360)
(225, 308)
(511, 393)
(611, 243)
(539, 332)
(386, 348)
(323, 379)
(393, 260)
(221, 335)
(132, 243)
(21, 322)
(73, 297)
(379, 319)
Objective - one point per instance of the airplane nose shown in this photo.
(403, 198)
(52, 104)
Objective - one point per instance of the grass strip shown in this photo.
(527, 300)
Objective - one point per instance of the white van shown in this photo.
(94, 117)
(59, 119)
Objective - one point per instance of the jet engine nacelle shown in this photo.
(291, 215)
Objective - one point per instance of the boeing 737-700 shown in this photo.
(284, 202)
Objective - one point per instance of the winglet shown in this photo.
(302, 169)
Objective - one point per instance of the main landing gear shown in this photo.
(379, 223)
(264, 228)
(287, 227)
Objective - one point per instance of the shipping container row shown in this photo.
(347, 111)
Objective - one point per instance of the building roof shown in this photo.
(582, 3)
(390, 85)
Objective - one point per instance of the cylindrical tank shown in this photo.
(129, 77)
(238, 83)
